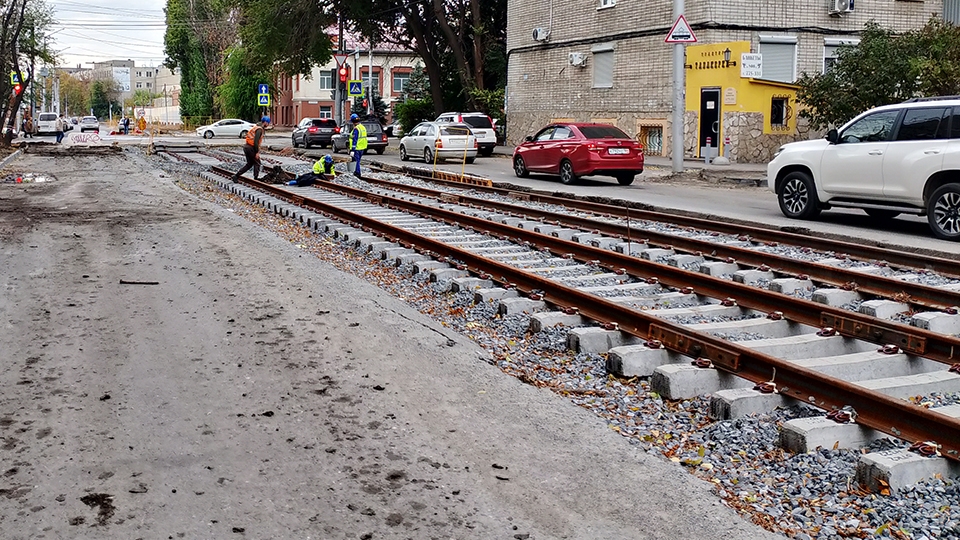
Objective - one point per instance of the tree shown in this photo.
(74, 94)
(237, 96)
(884, 68)
(379, 108)
(290, 36)
(103, 97)
(197, 36)
(24, 41)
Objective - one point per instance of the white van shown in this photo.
(47, 123)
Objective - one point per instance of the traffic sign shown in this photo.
(263, 100)
(681, 32)
(263, 88)
(141, 112)
(355, 88)
(16, 78)
(340, 58)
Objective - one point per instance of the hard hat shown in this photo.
(265, 119)
(328, 158)
(354, 118)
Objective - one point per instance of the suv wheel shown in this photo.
(798, 196)
(943, 212)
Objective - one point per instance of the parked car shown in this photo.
(439, 140)
(312, 131)
(580, 149)
(46, 123)
(376, 138)
(894, 159)
(480, 124)
(89, 123)
(393, 130)
(230, 127)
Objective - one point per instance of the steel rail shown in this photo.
(865, 252)
(874, 410)
(913, 294)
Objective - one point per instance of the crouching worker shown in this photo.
(322, 170)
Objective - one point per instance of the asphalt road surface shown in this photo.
(173, 370)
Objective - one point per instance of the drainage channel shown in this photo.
(870, 405)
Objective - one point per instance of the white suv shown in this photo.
(894, 159)
(480, 124)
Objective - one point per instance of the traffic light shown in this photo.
(16, 89)
(343, 73)
(364, 103)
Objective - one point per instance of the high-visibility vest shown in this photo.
(321, 167)
(361, 139)
(252, 133)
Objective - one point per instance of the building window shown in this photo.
(779, 58)
(326, 111)
(780, 112)
(607, 3)
(148, 85)
(400, 81)
(139, 85)
(376, 80)
(603, 68)
(139, 74)
(831, 48)
(149, 74)
(326, 80)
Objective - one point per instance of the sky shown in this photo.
(99, 30)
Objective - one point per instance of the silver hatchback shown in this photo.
(437, 141)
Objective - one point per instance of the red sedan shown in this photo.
(574, 150)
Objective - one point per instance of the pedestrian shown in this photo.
(60, 127)
(358, 142)
(322, 170)
(126, 125)
(251, 149)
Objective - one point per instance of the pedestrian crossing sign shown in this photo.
(355, 88)
(263, 100)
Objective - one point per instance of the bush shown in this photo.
(413, 111)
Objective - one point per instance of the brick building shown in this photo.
(312, 97)
(606, 61)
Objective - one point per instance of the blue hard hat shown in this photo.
(265, 119)
(354, 118)
(328, 158)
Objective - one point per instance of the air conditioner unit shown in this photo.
(578, 59)
(837, 8)
(540, 34)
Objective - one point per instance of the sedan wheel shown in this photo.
(293, 140)
(798, 197)
(427, 155)
(208, 134)
(567, 176)
(943, 212)
(243, 134)
(403, 153)
(520, 168)
(625, 179)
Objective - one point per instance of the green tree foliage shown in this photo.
(289, 35)
(24, 42)
(103, 98)
(237, 97)
(74, 95)
(198, 33)
(884, 68)
(413, 111)
(379, 108)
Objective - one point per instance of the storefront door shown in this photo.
(709, 120)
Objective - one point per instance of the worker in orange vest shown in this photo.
(251, 149)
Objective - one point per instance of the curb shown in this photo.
(10, 158)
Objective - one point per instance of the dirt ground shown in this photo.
(170, 370)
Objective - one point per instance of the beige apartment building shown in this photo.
(606, 61)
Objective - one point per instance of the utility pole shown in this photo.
(338, 95)
(679, 80)
(370, 79)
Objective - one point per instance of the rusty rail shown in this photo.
(878, 411)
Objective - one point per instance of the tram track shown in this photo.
(872, 409)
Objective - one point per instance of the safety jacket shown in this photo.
(358, 137)
(321, 167)
(252, 135)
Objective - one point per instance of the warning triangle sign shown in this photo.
(681, 32)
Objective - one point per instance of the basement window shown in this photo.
(778, 112)
(607, 4)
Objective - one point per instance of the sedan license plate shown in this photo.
(618, 150)
(459, 141)
(326, 130)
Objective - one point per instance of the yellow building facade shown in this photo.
(731, 110)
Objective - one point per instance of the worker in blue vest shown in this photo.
(358, 142)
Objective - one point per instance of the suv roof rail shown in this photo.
(931, 98)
